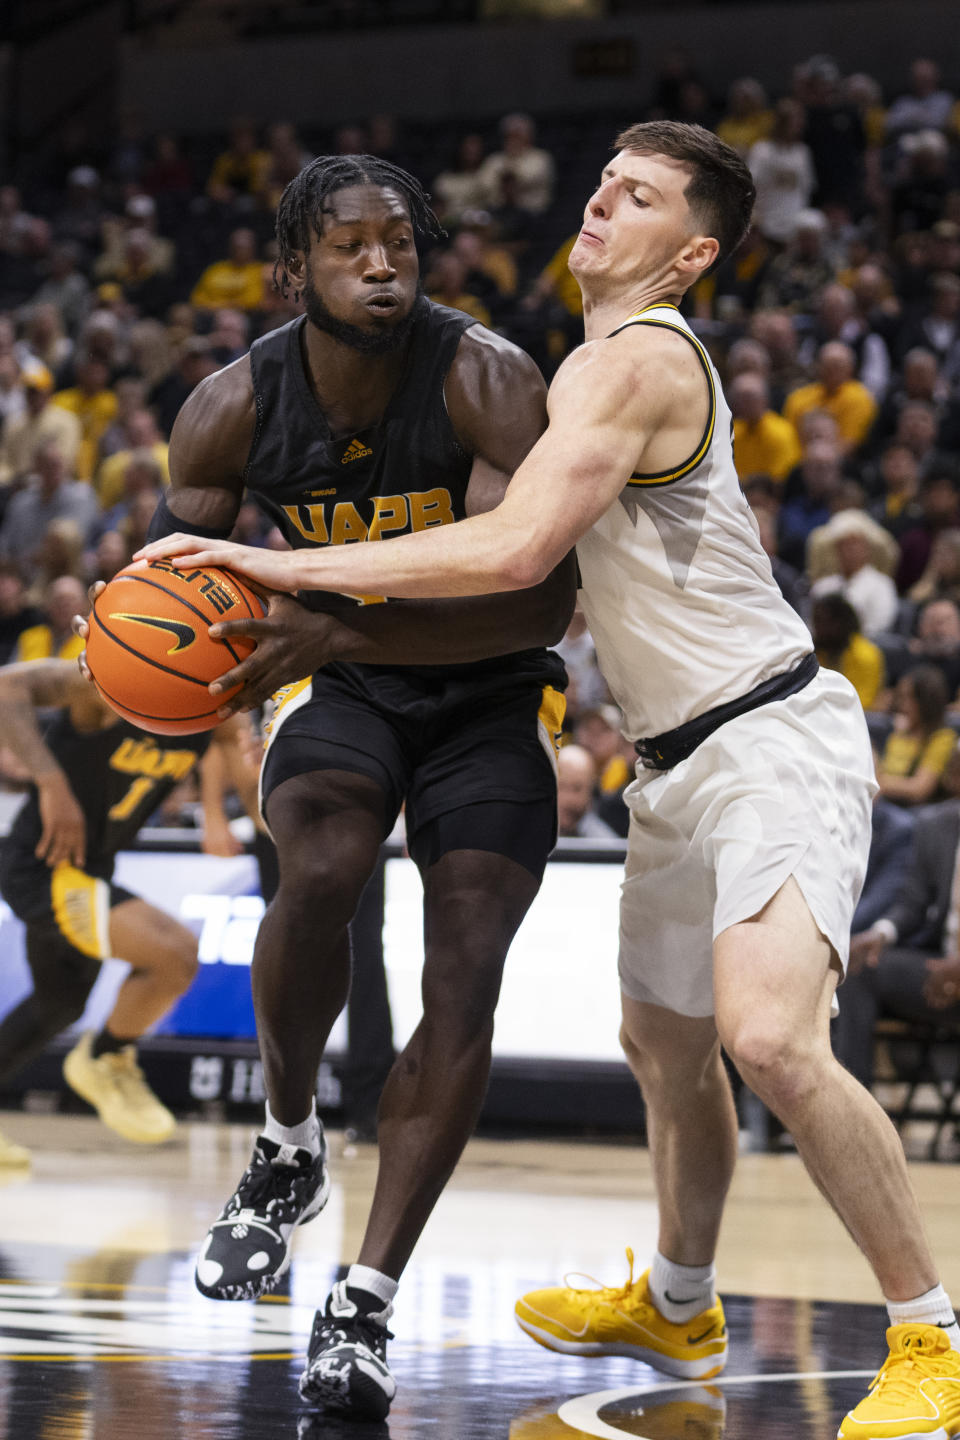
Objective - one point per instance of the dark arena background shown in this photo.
(144, 145)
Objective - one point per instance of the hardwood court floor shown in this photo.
(103, 1336)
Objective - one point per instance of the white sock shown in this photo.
(934, 1308)
(682, 1291)
(305, 1136)
(361, 1277)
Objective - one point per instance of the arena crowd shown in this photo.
(132, 268)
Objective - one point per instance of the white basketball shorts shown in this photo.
(784, 790)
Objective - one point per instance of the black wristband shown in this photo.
(165, 523)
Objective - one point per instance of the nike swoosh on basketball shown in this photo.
(185, 634)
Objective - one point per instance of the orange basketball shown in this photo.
(148, 649)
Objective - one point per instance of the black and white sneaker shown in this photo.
(347, 1370)
(247, 1249)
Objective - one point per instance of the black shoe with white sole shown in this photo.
(247, 1249)
(347, 1371)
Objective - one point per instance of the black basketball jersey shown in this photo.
(119, 776)
(403, 474)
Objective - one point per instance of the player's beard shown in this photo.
(382, 340)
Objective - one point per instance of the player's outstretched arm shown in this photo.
(605, 403)
(53, 684)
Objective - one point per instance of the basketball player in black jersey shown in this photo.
(95, 781)
(376, 414)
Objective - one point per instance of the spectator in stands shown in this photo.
(782, 169)
(836, 391)
(142, 475)
(236, 282)
(918, 748)
(66, 287)
(841, 646)
(40, 424)
(919, 380)
(834, 133)
(50, 493)
(446, 283)
(141, 283)
(195, 363)
(795, 278)
(229, 336)
(837, 318)
(461, 187)
(897, 509)
(239, 173)
(287, 157)
(926, 106)
(534, 168)
(818, 476)
(748, 117)
(111, 555)
(94, 404)
(53, 638)
(45, 340)
(937, 327)
(491, 274)
(852, 556)
(902, 964)
(168, 176)
(764, 443)
(775, 331)
(140, 214)
(863, 92)
(16, 612)
(918, 197)
(80, 216)
(143, 437)
(941, 578)
(937, 642)
(576, 783)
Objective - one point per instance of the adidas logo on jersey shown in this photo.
(356, 450)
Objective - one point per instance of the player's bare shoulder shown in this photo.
(667, 363)
(214, 430)
(495, 397)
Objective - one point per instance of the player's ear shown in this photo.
(297, 267)
(698, 255)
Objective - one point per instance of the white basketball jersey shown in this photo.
(676, 587)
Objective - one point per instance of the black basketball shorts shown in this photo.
(473, 760)
(65, 905)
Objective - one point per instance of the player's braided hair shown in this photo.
(304, 203)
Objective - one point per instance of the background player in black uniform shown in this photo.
(96, 780)
(376, 414)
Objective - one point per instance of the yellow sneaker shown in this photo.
(114, 1085)
(13, 1156)
(625, 1321)
(915, 1395)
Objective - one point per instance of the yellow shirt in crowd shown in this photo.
(95, 413)
(851, 405)
(226, 286)
(862, 663)
(905, 754)
(770, 447)
(110, 476)
(565, 287)
(36, 643)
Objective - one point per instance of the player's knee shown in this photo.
(460, 998)
(772, 1060)
(319, 889)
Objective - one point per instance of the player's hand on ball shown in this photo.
(269, 568)
(80, 625)
(291, 642)
(64, 834)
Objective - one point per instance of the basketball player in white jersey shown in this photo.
(750, 814)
